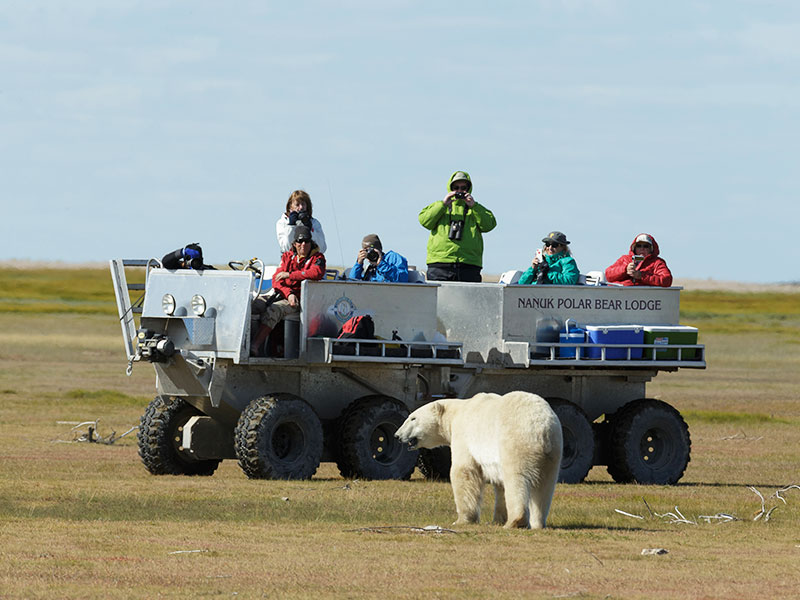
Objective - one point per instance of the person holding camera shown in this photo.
(299, 211)
(457, 224)
(372, 264)
(641, 265)
(553, 263)
(303, 261)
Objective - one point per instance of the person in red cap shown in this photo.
(641, 266)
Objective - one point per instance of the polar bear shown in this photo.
(513, 442)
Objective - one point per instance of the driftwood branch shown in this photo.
(91, 434)
(677, 516)
(387, 528)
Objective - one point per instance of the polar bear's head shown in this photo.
(423, 427)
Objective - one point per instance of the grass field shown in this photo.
(83, 520)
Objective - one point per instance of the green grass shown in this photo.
(86, 520)
(78, 291)
(718, 416)
(732, 312)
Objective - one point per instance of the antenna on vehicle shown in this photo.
(336, 224)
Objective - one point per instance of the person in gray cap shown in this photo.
(553, 263)
(372, 264)
(457, 224)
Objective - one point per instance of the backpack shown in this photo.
(361, 328)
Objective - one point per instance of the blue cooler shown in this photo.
(576, 335)
(615, 334)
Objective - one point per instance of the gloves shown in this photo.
(293, 217)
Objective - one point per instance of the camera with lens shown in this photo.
(373, 255)
(456, 230)
(461, 195)
(304, 218)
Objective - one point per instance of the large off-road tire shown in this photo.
(278, 437)
(577, 457)
(160, 439)
(650, 443)
(434, 463)
(369, 449)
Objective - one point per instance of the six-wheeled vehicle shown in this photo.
(325, 398)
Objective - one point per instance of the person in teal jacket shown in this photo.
(457, 224)
(552, 264)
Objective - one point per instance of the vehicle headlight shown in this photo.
(198, 305)
(168, 304)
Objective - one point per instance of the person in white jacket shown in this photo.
(298, 212)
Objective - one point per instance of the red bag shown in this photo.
(360, 328)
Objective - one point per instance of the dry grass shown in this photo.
(85, 520)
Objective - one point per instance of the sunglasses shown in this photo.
(642, 246)
(460, 188)
(303, 241)
(551, 245)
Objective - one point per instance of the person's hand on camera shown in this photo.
(448, 199)
(293, 217)
(469, 200)
(362, 256)
(633, 272)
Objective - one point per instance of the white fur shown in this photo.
(512, 442)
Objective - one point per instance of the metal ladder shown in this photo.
(125, 307)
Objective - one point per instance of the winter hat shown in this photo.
(372, 240)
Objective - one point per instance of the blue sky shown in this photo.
(130, 128)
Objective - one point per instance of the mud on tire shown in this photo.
(160, 437)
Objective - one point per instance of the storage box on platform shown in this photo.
(570, 335)
(663, 335)
(615, 334)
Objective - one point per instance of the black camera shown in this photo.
(304, 218)
(456, 230)
(373, 255)
(461, 195)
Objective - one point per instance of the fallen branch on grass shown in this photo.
(91, 435)
(741, 436)
(777, 494)
(720, 517)
(387, 528)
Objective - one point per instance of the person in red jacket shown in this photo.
(641, 266)
(303, 261)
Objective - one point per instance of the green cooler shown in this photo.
(670, 334)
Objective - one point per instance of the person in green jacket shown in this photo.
(553, 263)
(457, 224)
